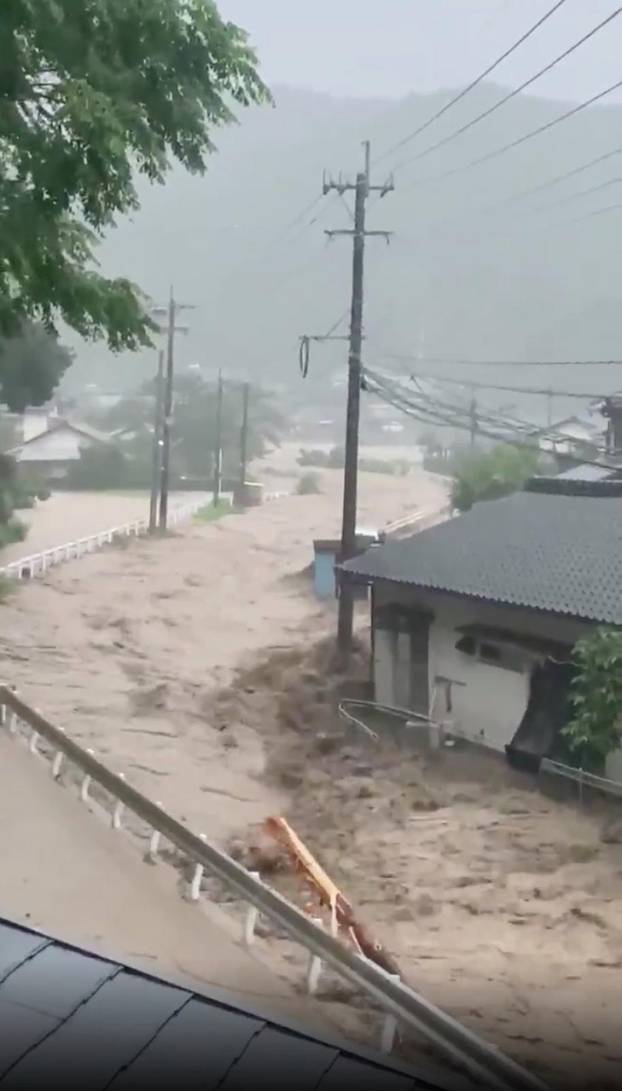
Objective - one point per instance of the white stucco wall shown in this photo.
(491, 701)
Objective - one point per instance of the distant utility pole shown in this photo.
(171, 329)
(244, 435)
(218, 447)
(157, 445)
(473, 418)
(362, 189)
(549, 408)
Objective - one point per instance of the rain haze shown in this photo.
(325, 559)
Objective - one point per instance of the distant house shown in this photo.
(474, 620)
(49, 453)
(572, 433)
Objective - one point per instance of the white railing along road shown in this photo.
(37, 564)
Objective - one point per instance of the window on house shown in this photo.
(496, 655)
(490, 653)
(467, 645)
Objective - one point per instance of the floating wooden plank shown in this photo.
(341, 910)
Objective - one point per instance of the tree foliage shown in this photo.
(92, 91)
(595, 729)
(12, 496)
(490, 475)
(31, 366)
(193, 438)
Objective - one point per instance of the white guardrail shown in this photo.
(37, 564)
(403, 1007)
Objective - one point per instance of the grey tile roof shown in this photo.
(69, 1018)
(586, 472)
(559, 553)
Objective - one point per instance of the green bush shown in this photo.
(12, 531)
(492, 474)
(44, 494)
(595, 729)
(308, 485)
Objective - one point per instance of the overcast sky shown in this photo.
(380, 48)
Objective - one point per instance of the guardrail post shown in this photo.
(197, 878)
(32, 745)
(57, 763)
(3, 714)
(314, 968)
(154, 843)
(86, 784)
(252, 914)
(389, 1026)
(117, 814)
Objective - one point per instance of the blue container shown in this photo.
(324, 569)
(326, 556)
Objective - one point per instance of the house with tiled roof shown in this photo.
(50, 451)
(474, 621)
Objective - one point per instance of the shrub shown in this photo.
(12, 531)
(44, 494)
(308, 485)
(595, 729)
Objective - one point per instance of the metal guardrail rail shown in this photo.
(581, 777)
(484, 1062)
(37, 564)
(411, 521)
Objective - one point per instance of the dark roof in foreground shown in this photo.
(69, 1018)
(558, 553)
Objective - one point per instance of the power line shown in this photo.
(414, 359)
(592, 215)
(495, 419)
(558, 179)
(548, 205)
(474, 83)
(524, 138)
(584, 396)
(429, 416)
(511, 94)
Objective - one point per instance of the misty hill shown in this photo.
(462, 279)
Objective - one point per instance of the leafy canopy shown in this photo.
(595, 729)
(31, 366)
(92, 91)
(194, 433)
(490, 475)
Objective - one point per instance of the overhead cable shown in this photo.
(548, 391)
(496, 152)
(415, 359)
(450, 137)
(427, 417)
(471, 86)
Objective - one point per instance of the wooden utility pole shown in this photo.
(157, 445)
(171, 329)
(218, 446)
(473, 417)
(362, 189)
(244, 435)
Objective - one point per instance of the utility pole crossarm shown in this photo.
(368, 234)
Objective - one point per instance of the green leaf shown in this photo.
(90, 92)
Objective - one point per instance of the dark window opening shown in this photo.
(467, 645)
(489, 653)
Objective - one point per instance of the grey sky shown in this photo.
(381, 48)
